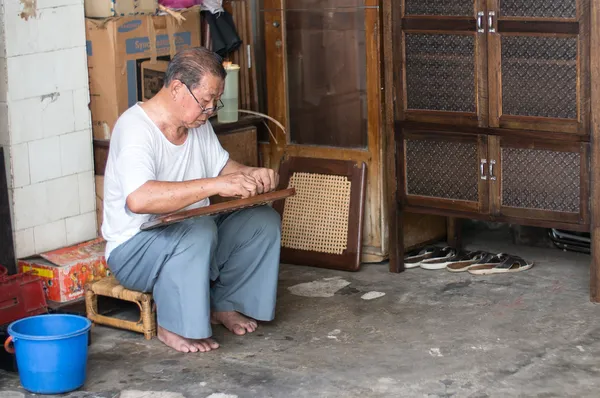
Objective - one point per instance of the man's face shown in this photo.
(205, 96)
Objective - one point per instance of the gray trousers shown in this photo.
(227, 262)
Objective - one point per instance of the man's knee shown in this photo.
(201, 232)
(267, 220)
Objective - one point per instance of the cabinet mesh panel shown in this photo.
(541, 179)
(539, 8)
(539, 76)
(442, 169)
(437, 7)
(316, 218)
(440, 72)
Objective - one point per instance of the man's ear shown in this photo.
(174, 88)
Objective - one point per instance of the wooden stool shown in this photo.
(110, 287)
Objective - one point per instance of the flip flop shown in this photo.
(500, 264)
(439, 259)
(465, 260)
(414, 258)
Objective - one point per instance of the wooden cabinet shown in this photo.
(489, 176)
(497, 63)
(492, 117)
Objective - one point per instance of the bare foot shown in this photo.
(182, 344)
(235, 322)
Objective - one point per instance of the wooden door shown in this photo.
(444, 62)
(444, 170)
(540, 180)
(323, 69)
(539, 65)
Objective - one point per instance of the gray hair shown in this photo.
(189, 66)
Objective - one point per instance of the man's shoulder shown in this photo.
(132, 116)
(132, 125)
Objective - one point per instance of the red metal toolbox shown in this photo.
(21, 295)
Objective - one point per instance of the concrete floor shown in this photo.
(433, 334)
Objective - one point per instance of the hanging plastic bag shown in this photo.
(214, 6)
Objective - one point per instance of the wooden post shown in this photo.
(395, 235)
(276, 76)
(595, 152)
(454, 228)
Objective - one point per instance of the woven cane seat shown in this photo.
(110, 287)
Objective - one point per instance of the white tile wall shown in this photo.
(54, 29)
(46, 73)
(39, 117)
(87, 192)
(82, 227)
(20, 165)
(81, 110)
(45, 124)
(63, 197)
(3, 80)
(29, 206)
(76, 152)
(50, 236)
(44, 159)
(24, 243)
(2, 34)
(58, 3)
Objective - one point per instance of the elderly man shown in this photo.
(164, 156)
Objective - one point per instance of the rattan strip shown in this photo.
(316, 218)
(110, 287)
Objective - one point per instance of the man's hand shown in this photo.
(237, 184)
(266, 179)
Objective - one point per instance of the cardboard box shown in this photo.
(116, 8)
(116, 47)
(66, 271)
(153, 77)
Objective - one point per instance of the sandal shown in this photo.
(439, 258)
(414, 258)
(465, 260)
(499, 264)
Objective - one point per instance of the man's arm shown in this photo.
(160, 197)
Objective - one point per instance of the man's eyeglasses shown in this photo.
(219, 106)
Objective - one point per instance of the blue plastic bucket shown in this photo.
(51, 352)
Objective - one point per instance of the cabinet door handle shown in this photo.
(491, 27)
(482, 167)
(492, 164)
(480, 28)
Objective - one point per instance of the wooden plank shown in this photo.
(219, 208)
(512, 26)
(449, 24)
(394, 232)
(494, 72)
(454, 234)
(276, 75)
(504, 219)
(502, 132)
(595, 149)
(481, 73)
(244, 53)
(375, 171)
(252, 61)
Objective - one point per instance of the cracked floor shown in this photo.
(416, 334)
